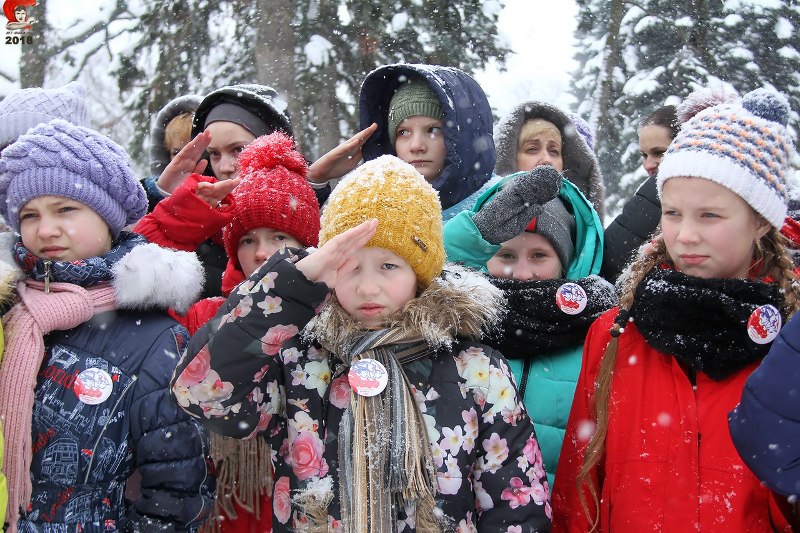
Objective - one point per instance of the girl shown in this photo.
(90, 347)
(647, 445)
(272, 206)
(542, 243)
(433, 117)
(641, 213)
(386, 415)
(226, 121)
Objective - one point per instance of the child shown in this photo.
(536, 133)
(171, 131)
(647, 445)
(272, 207)
(641, 213)
(386, 414)
(88, 352)
(542, 243)
(435, 118)
(226, 121)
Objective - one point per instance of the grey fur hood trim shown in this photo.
(580, 163)
(150, 276)
(159, 156)
(459, 303)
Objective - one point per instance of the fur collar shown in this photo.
(149, 276)
(459, 303)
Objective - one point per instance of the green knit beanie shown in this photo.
(411, 99)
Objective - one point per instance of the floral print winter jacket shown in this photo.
(249, 372)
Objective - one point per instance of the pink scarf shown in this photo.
(66, 306)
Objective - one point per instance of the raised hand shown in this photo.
(215, 193)
(341, 159)
(188, 161)
(513, 207)
(334, 259)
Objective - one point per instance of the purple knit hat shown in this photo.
(61, 159)
(21, 110)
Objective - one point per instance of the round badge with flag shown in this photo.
(571, 298)
(764, 324)
(368, 377)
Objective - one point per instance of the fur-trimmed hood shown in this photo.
(580, 163)
(460, 303)
(148, 277)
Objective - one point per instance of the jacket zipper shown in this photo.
(97, 442)
(47, 265)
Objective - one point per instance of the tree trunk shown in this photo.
(274, 53)
(35, 56)
(603, 97)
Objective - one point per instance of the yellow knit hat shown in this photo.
(407, 208)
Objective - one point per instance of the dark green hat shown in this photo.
(411, 99)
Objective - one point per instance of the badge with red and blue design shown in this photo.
(368, 377)
(764, 324)
(571, 298)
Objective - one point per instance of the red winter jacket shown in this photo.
(669, 463)
(183, 221)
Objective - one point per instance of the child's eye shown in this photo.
(435, 130)
(238, 150)
(27, 216)
(245, 241)
(67, 209)
(539, 255)
(213, 154)
(669, 213)
(505, 256)
(279, 237)
(708, 214)
(389, 266)
(643, 155)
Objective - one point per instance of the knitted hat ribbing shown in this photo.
(61, 159)
(412, 99)
(407, 208)
(742, 146)
(24, 109)
(273, 193)
(557, 225)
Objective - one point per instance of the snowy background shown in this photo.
(540, 34)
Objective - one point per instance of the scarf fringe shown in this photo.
(244, 475)
(313, 503)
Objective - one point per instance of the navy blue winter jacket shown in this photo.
(102, 410)
(467, 121)
(765, 426)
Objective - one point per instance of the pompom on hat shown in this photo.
(273, 193)
(22, 110)
(743, 146)
(61, 159)
(407, 208)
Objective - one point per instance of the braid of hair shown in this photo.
(778, 264)
(654, 254)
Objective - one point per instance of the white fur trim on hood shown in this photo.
(151, 276)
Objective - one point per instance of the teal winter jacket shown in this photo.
(552, 375)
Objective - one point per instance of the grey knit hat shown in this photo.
(61, 159)
(412, 99)
(556, 225)
(26, 108)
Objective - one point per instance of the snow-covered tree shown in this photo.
(637, 56)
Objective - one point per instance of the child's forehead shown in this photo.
(39, 202)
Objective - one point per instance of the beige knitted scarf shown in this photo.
(37, 313)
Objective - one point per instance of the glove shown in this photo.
(510, 211)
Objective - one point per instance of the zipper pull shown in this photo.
(47, 276)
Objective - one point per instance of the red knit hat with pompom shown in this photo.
(273, 193)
